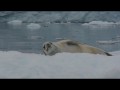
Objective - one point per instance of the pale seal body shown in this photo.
(51, 48)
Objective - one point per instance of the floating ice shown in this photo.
(15, 22)
(33, 26)
(108, 42)
(99, 23)
(36, 37)
(60, 38)
(117, 36)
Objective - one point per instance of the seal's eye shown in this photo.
(48, 45)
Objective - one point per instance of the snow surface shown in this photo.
(33, 26)
(15, 64)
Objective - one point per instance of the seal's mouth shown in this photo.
(44, 52)
(44, 49)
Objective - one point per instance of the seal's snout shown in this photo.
(46, 47)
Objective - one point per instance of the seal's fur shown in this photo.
(51, 48)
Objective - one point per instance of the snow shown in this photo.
(53, 16)
(15, 22)
(116, 53)
(99, 23)
(33, 26)
(15, 64)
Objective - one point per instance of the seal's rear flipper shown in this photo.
(108, 54)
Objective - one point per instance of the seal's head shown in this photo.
(49, 48)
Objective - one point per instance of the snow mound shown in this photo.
(33, 26)
(63, 65)
(15, 22)
(99, 23)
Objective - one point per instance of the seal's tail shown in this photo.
(108, 54)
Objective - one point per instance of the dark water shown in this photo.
(20, 38)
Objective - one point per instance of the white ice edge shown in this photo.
(15, 64)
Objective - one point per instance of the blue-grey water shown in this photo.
(20, 38)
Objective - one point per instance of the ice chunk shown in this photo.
(33, 26)
(15, 22)
(99, 23)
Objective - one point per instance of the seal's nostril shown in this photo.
(44, 47)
